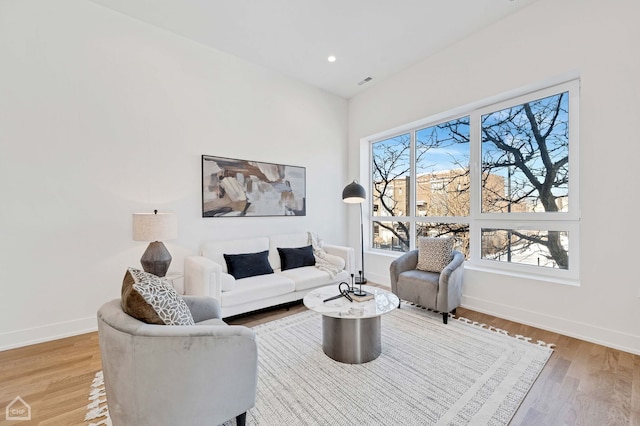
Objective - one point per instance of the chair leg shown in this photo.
(241, 419)
(445, 317)
(454, 311)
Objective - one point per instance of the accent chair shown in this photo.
(439, 291)
(204, 374)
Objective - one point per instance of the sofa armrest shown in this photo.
(347, 253)
(203, 308)
(406, 262)
(202, 277)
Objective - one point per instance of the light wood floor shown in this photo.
(582, 384)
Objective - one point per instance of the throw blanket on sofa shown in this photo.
(322, 257)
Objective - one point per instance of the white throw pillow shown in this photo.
(434, 254)
(335, 260)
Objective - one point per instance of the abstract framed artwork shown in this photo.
(232, 188)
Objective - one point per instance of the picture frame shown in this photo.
(246, 188)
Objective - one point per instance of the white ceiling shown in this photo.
(370, 38)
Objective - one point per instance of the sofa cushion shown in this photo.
(291, 258)
(153, 300)
(310, 277)
(257, 288)
(248, 264)
(434, 254)
(420, 287)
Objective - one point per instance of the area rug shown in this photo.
(429, 373)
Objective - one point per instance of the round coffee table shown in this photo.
(351, 330)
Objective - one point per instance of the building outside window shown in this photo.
(496, 177)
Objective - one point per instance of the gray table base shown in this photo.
(351, 340)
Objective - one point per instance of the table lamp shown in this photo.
(155, 227)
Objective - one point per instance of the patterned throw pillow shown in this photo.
(144, 294)
(434, 254)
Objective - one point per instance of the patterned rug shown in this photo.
(429, 373)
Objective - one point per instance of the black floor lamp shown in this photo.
(354, 193)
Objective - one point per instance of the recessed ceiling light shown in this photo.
(331, 58)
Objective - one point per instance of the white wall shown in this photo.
(102, 116)
(544, 40)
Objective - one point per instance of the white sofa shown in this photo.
(206, 274)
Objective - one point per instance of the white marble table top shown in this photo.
(384, 301)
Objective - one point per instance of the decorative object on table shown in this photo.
(354, 193)
(343, 289)
(155, 227)
(366, 296)
(470, 374)
(232, 188)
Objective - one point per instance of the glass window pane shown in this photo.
(393, 236)
(525, 157)
(391, 175)
(460, 231)
(442, 169)
(549, 249)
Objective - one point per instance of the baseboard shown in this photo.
(588, 332)
(46, 333)
(378, 279)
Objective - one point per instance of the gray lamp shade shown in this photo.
(354, 193)
(155, 227)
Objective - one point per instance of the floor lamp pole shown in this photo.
(361, 279)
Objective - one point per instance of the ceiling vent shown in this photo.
(366, 80)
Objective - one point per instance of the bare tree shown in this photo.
(531, 142)
(391, 164)
(525, 167)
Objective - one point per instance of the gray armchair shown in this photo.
(438, 291)
(160, 375)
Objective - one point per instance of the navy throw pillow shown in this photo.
(248, 264)
(292, 258)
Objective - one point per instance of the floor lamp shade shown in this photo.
(354, 193)
(155, 227)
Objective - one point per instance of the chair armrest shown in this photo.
(406, 262)
(202, 277)
(112, 316)
(347, 253)
(202, 307)
(450, 285)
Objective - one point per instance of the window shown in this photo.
(500, 177)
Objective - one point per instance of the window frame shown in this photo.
(477, 220)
